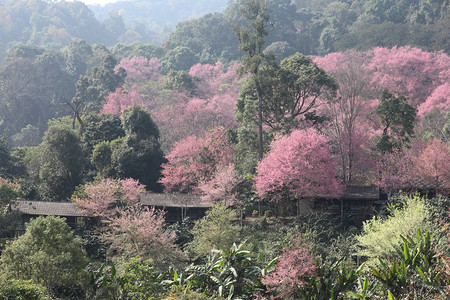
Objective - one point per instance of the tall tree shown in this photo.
(251, 41)
(397, 120)
(60, 160)
(140, 155)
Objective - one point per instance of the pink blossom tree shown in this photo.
(120, 100)
(194, 160)
(140, 69)
(433, 165)
(292, 272)
(298, 165)
(222, 186)
(349, 127)
(440, 99)
(410, 71)
(138, 231)
(103, 198)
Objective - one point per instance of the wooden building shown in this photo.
(31, 209)
(177, 206)
(356, 203)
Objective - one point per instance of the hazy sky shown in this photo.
(102, 2)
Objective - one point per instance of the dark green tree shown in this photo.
(7, 168)
(139, 155)
(397, 119)
(179, 59)
(61, 161)
(251, 41)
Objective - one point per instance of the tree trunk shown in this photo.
(260, 121)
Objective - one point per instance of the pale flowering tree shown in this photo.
(140, 69)
(120, 100)
(194, 160)
(433, 165)
(130, 228)
(292, 272)
(439, 99)
(298, 165)
(138, 231)
(222, 186)
(102, 199)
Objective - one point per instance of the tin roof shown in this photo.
(353, 192)
(174, 200)
(44, 208)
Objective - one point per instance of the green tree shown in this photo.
(216, 230)
(251, 41)
(397, 118)
(61, 162)
(179, 59)
(139, 155)
(6, 161)
(48, 253)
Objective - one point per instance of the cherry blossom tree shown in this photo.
(349, 127)
(433, 165)
(222, 186)
(140, 69)
(121, 99)
(298, 165)
(103, 198)
(139, 231)
(194, 160)
(410, 71)
(440, 99)
(292, 272)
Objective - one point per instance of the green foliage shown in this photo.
(215, 230)
(139, 155)
(8, 221)
(381, 236)
(397, 118)
(179, 59)
(101, 159)
(136, 49)
(413, 269)
(22, 290)
(60, 159)
(233, 272)
(49, 254)
(139, 280)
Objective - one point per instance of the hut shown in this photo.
(31, 209)
(177, 206)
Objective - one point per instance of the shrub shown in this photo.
(216, 228)
(49, 254)
(380, 236)
(22, 289)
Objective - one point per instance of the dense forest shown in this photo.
(269, 111)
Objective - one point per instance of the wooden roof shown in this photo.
(353, 192)
(44, 208)
(174, 200)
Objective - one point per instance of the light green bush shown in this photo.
(216, 228)
(380, 235)
(22, 290)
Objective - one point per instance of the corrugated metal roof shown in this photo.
(44, 208)
(174, 200)
(352, 192)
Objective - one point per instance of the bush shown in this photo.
(49, 254)
(216, 228)
(22, 289)
(380, 236)
(268, 213)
